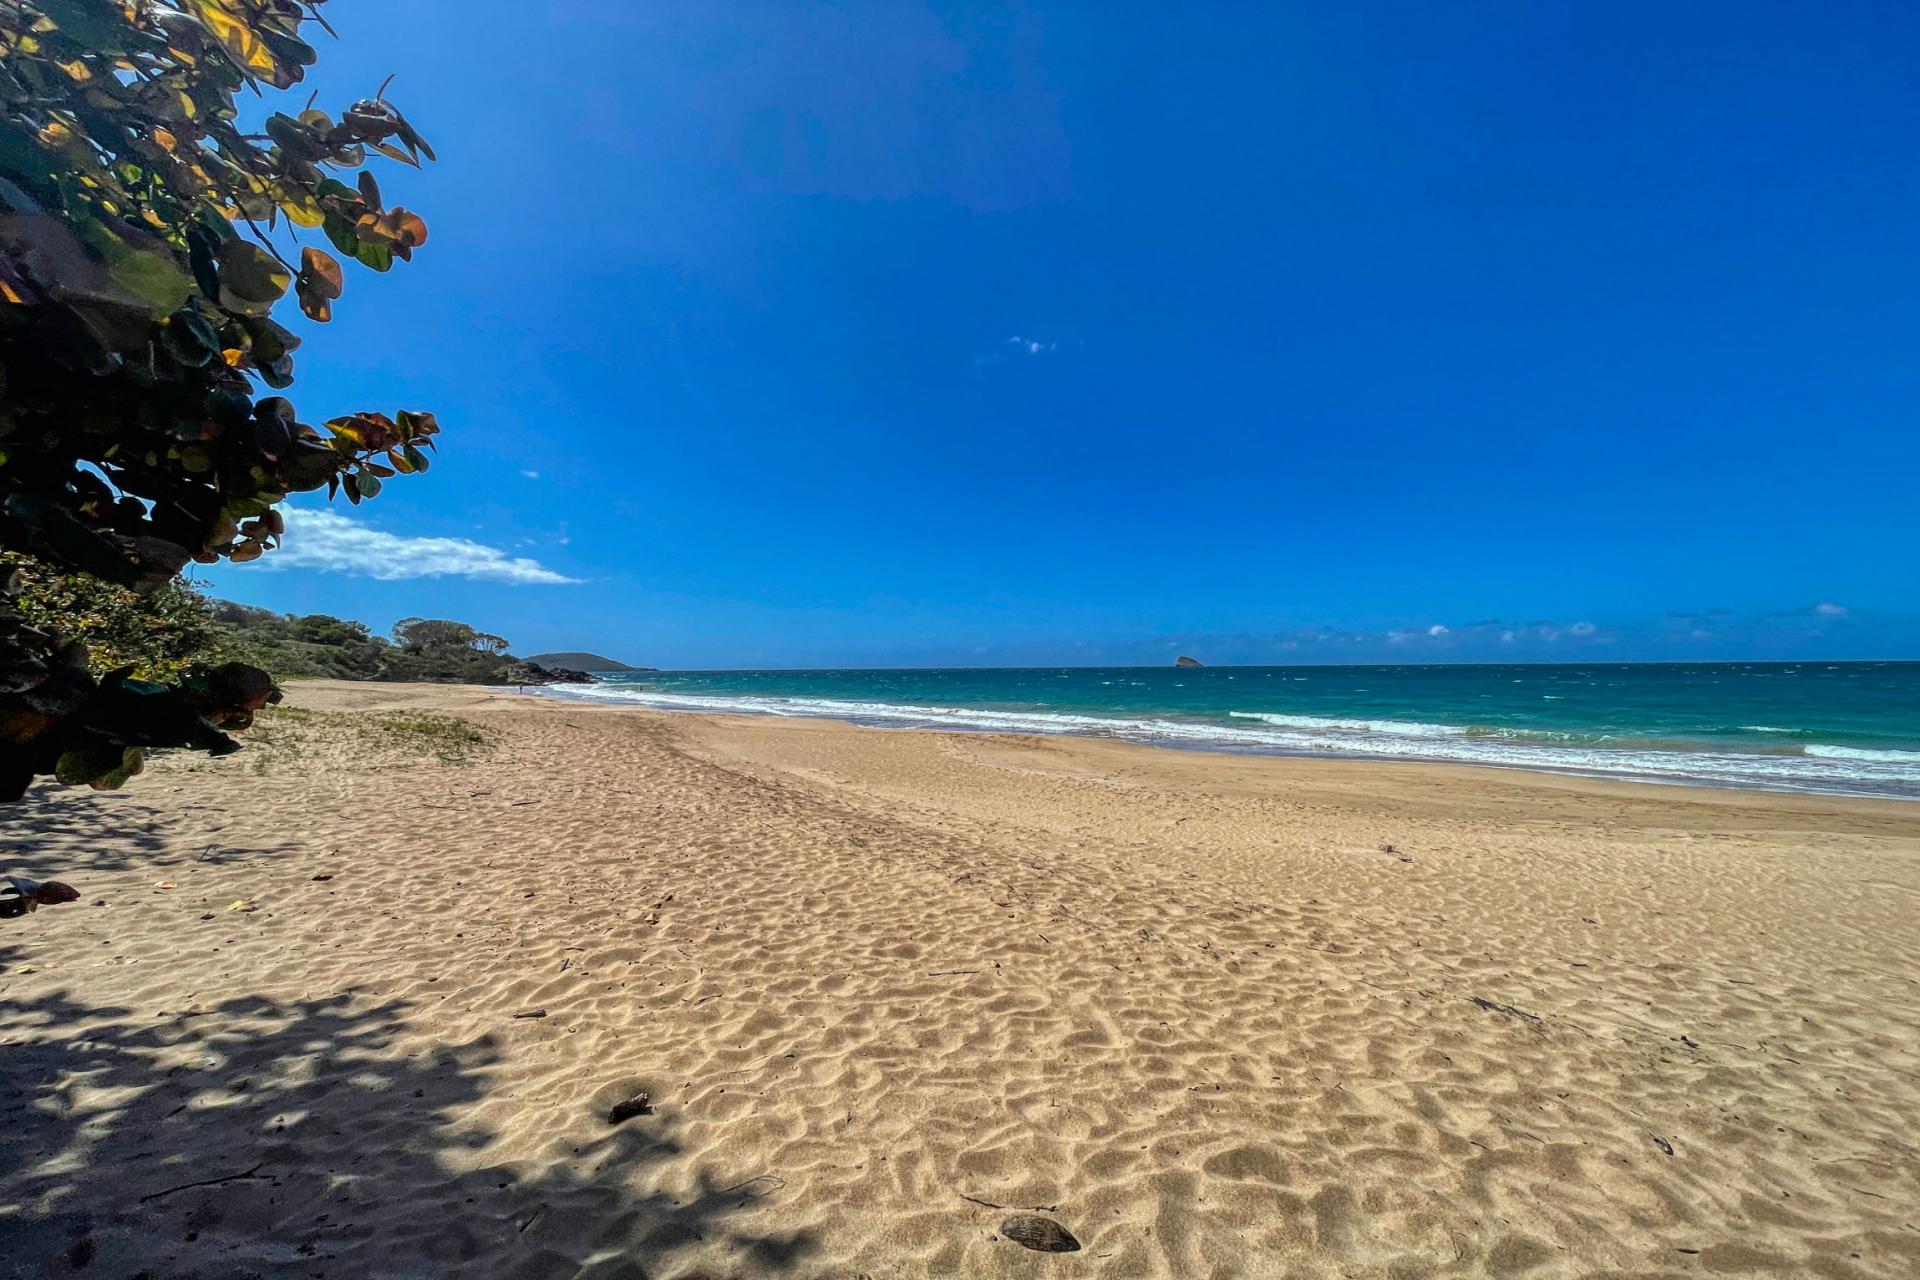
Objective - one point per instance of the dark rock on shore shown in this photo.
(521, 673)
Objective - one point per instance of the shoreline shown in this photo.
(380, 983)
(1227, 750)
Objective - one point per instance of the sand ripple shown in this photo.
(888, 990)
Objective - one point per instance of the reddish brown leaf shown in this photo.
(324, 270)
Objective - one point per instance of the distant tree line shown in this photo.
(317, 644)
(159, 633)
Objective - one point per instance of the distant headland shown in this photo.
(591, 662)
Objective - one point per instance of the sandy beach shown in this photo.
(884, 990)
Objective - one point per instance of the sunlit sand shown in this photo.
(885, 991)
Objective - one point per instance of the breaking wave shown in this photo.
(1810, 767)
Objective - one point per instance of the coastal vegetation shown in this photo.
(422, 649)
(161, 633)
(156, 634)
(151, 222)
(285, 736)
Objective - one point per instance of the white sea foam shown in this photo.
(1406, 728)
(1862, 753)
(1837, 770)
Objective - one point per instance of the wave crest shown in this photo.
(1812, 767)
(1862, 753)
(1404, 728)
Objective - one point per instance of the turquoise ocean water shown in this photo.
(1841, 728)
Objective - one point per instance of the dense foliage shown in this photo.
(147, 233)
(157, 633)
(160, 634)
(286, 645)
(430, 649)
(420, 634)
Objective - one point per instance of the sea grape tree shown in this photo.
(149, 228)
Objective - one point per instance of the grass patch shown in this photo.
(283, 736)
(443, 735)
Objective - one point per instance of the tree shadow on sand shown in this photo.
(62, 833)
(319, 1138)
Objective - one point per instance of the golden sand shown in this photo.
(1214, 1016)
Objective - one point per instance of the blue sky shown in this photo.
(921, 334)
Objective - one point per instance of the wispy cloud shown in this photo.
(1828, 609)
(328, 542)
(1020, 347)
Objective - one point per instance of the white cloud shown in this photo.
(1828, 609)
(531, 475)
(1031, 347)
(1436, 630)
(1582, 629)
(328, 542)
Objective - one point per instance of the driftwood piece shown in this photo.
(1493, 1006)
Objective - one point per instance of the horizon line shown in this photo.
(1255, 666)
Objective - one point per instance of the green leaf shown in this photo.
(377, 256)
(200, 257)
(190, 339)
(271, 341)
(368, 484)
(132, 761)
(214, 223)
(144, 265)
(96, 25)
(279, 374)
(340, 231)
(251, 279)
(101, 764)
(294, 137)
(277, 61)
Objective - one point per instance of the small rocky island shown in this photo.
(1184, 661)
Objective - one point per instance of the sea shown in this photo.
(1839, 728)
